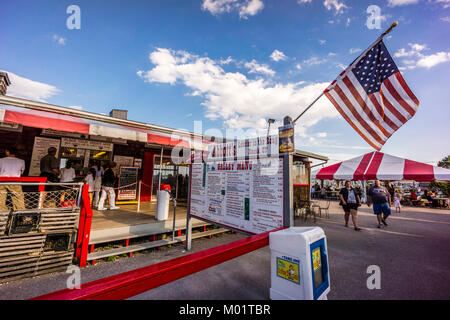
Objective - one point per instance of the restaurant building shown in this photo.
(87, 138)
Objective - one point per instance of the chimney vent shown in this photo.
(119, 114)
(4, 82)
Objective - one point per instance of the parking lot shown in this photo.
(413, 254)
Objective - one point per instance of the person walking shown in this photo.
(90, 181)
(108, 183)
(10, 166)
(99, 171)
(350, 201)
(381, 200)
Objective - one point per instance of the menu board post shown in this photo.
(188, 215)
(288, 191)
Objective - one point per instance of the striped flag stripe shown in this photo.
(411, 95)
(357, 116)
(387, 113)
(394, 103)
(391, 108)
(388, 117)
(394, 94)
(403, 94)
(367, 105)
(361, 110)
(337, 102)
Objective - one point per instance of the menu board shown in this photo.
(40, 150)
(128, 177)
(246, 195)
(86, 144)
(123, 161)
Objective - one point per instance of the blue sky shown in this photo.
(230, 63)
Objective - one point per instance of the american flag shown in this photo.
(373, 97)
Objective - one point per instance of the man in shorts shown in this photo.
(381, 200)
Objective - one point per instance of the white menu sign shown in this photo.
(246, 195)
(40, 149)
(267, 146)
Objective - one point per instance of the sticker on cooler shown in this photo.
(288, 268)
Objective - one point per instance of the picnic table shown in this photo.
(440, 202)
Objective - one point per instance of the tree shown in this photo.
(444, 163)
(444, 186)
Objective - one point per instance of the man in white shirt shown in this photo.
(10, 166)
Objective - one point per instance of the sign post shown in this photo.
(286, 146)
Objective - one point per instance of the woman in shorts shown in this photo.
(350, 202)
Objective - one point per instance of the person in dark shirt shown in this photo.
(49, 166)
(381, 200)
(350, 202)
(108, 184)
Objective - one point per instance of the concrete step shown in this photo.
(151, 244)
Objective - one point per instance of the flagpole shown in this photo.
(354, 63)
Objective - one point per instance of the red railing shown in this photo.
(84, 227)
(131, 283)
(26, 179)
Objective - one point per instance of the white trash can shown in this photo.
(162, 205)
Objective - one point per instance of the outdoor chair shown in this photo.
(324, 206)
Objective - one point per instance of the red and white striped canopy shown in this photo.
(378, 165)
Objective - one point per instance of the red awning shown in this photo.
(67, 123)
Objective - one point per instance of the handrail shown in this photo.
(131, 283)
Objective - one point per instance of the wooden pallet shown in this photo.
(3, 222)
(47, 248)
(25, 256)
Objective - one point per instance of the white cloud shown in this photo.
(303, 1)
(28, 89)
(331, 54)
(255, 67)
(226, 61)
(414, 51)
(238, 101)
(250, 8)
(59, 40)
(433, 59)
(417, 59)
(322, 42)
(354, 50)
(245, 8)
(298, 66)
(394, 3)
(314, 61)
(446, 3)
(446, 19)
(278, 55)
(336, 5)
